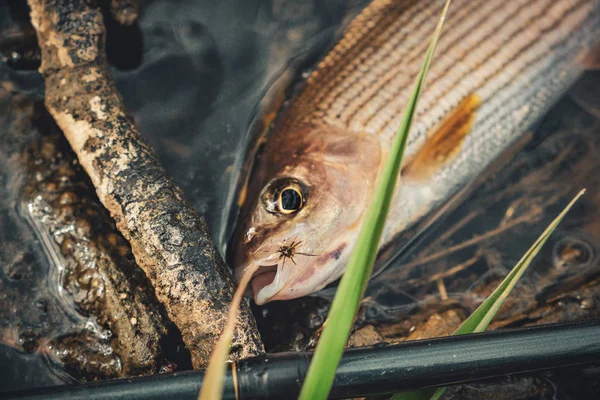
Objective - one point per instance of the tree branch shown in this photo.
(169, 239)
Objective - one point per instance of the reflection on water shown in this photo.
(206, 73)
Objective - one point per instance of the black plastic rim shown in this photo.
(371, 370)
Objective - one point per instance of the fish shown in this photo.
(499, 66)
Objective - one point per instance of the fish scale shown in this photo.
(484, 68)
(519, 96)
(507, 62)
(399, 38)
(372, 103)
(396, 67)
(390, 106)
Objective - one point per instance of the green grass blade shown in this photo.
(483, 315)
(345, 304)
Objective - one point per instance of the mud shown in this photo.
(105, 321)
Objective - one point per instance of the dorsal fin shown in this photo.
(443, 145)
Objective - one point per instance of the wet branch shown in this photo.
(169, 239)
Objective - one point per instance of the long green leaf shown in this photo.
(483, 315)
(345, 304)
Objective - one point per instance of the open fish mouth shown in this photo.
(265, 283)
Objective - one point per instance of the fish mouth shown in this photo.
(265, 283)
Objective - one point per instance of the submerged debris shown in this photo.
(18, 43)
(18, 49)
(124, 11)
(84, 355)
(95, 264)
(96, 313)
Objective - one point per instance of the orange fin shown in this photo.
(443, 145)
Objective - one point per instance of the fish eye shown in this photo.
(284, 196)
(290, 200)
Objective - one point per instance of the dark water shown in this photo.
(197, 75)
(209, 69)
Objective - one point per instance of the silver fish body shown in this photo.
(499, 66)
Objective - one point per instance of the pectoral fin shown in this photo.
(444, 143)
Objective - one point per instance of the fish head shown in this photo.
(304, 207)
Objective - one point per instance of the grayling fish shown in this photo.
(499, 66)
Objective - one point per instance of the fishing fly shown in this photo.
(289, 251)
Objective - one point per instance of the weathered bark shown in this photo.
(169, 239)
